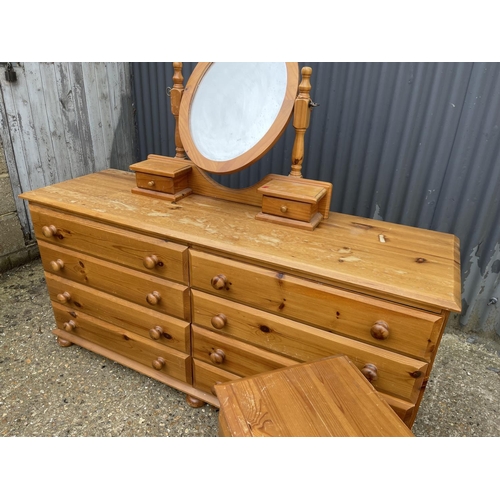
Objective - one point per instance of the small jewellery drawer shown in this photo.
(156, 293)
(143, 253)
(153, 325)
(146, 352)
(160, 183)
(287, 208)
(234, 356)
(389, 372)
(205, 376)
(377, 322)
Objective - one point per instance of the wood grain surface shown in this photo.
(325, 398)
(408, 265)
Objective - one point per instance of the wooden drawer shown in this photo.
(161, 183)
(398, 375)
(410, 331)
(287, 208)
(205, 376)
(165, 360)
(161, 328)
(163, 296)
(144, 253)
(234, 356)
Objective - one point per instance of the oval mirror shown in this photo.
(231, 114)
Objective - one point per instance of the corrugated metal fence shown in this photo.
(412, 143)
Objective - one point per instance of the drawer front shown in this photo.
(155, 293)
(160, 328)
(165, 360)
(205, 376)
(398, 375)
(287, 208)
(162, 184)
(377, 322)
(234, 356)
(143, 253)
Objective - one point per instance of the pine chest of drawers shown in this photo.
(198, 292)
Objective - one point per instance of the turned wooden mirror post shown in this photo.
(175, 103)
(301, 119)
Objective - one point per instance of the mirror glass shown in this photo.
(235, 106)
(231, 114)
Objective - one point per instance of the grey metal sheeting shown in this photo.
(412, 143)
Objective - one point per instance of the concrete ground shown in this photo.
(46, 390)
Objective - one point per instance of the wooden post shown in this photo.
(175, 103)
(301, 116)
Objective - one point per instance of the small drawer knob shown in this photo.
(57, 265)
(158, 363)
(219, 321)
(219, 282)
(284, 209)
(151, 183)
(370, 372)
(151, 261)
(156, 333)
(153, 298)
(64, 297)
(49, 231)
(69, 326)
(218, 356)
(380, 330)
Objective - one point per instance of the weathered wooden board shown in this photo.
(62, 120)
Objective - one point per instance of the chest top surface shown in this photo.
(409, 265)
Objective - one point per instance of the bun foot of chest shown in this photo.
(194, 402)
(63, 342)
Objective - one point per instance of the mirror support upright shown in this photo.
(301, 119)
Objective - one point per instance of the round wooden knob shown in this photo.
(158, 363)
(151, 261)
(156, 332)
(57, 265)
(219, 321)
(64, 297)
(370, 372)
(69, 326)
(218, 356)
(151, 183)
(49, 231)
(284, 209)
(153, 298)
(219, 282)
(380, 330)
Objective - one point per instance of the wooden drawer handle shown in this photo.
(157, 333)
(49, 231)
(57, 265)
(218, 356)
(151, 183)
(219, 321)
(64, 297)
(69, 326)
(151, 261)
(158, 363)
(284, 209)
(370, 372)
(380, 330)
(153, 298)
(219, 282)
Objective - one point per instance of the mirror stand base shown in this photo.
(276, 219)
(163, 196)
